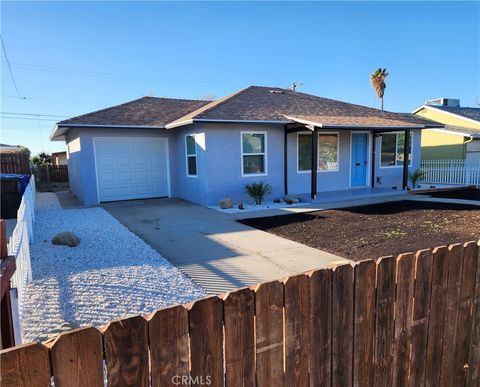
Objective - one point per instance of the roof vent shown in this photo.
(451, 102)
(276, 91)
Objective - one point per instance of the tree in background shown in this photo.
(41, 159)
(24, 149)
(377, 80)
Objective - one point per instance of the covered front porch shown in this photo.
(357, 154)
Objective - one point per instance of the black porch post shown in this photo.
(406, 151)
(374, 144)
(314, 161)
(285, 160)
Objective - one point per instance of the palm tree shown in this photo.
(377, 79)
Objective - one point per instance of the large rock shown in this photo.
(290, 199)
(226, 203)
(65, 238)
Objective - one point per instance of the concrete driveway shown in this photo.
(217, 252)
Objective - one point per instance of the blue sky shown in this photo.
(73, 58)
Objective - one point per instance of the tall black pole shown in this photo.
(314, 162)
(374, 144)
(406, 152)
(285, 160)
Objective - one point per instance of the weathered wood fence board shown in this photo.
(269, 334)
(239, 314)
(384, 320)
(15, 163)
(320, 327)
(25, 365)
(423, 285)
(169, 346)
(406, 321)
(342, 326)
(126, 352)
(77, 358)
(297, 331)
(364, 323)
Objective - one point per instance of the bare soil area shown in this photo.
(378, 230)
(465, 193)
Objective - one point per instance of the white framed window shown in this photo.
(327, 151)
(191, 155)
(254, 153)
(392, 148)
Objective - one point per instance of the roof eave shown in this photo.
(54, 136)
(191, 121)
(372, 127)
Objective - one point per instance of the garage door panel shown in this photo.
(105, 162)
(140, 173)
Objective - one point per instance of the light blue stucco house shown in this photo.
(204, 151)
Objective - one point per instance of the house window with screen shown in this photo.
(253, 153)
(392, 147)
(191, 151)
(327, 152)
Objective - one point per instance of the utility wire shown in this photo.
(10, 68)
(127, 77)
(33, 114)
(28, 118)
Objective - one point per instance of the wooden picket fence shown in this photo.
(51, 173)
(15, 163)
(413, 320)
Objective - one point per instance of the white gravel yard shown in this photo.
(257, 207)
(111, 274)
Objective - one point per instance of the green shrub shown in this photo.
(258, 191)
(415, 177)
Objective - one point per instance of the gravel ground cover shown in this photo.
(373, 231)
(257, 207)
(111, 274)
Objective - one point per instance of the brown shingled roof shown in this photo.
(146, 111)
(257, 103)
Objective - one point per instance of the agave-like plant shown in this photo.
(415, 177)
(377, 80)
(258, 191)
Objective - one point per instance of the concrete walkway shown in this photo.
(217, 252)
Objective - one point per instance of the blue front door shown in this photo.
(359, 159)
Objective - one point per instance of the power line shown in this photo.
(10, 69)
(28, 118)
(55, 100)
(127, 77)
(34, 114)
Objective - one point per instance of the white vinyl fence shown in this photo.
(19, 246)
(461, 172)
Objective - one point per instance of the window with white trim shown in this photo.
(191, 155)
(253, 153)
(327, 152)
(392, 150)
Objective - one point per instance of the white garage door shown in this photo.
(131, 168)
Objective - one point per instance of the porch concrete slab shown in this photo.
(211, 247)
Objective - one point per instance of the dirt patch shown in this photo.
(377, 230)
(465, 193)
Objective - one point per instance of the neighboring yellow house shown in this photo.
(460, 139)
